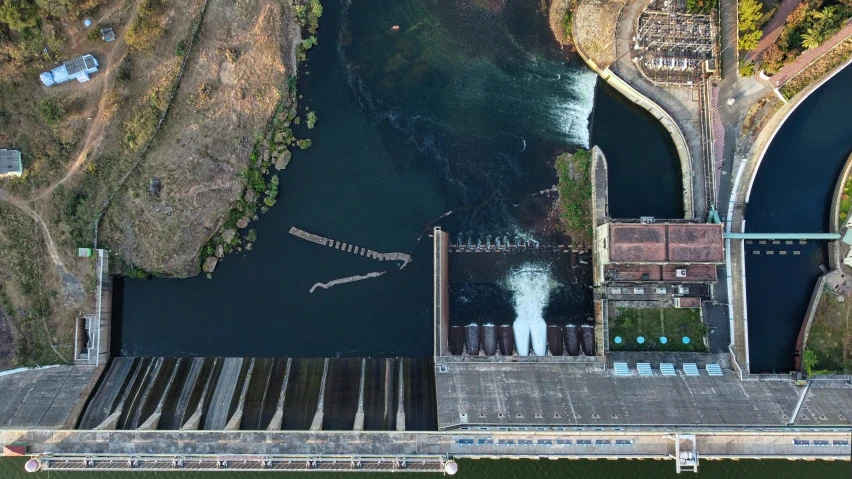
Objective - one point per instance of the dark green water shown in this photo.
(489, 469)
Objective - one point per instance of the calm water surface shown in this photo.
(792, 193)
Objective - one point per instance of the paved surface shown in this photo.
(42, 398)
(680, 103)
(560, 394)
(724, 443)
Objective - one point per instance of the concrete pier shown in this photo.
(316, 425)
(359, 416)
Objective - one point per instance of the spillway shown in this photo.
(507, 340)
(259, 394)
(341, 394)
(489, 339)
(471, 339)
(521, 331)
(572, 339)
(456, 340)
(554, 340)
(588, 335)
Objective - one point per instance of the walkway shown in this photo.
(806, 59)
(773, 28)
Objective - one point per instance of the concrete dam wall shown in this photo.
(264, 394)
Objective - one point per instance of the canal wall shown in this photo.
(665, 119)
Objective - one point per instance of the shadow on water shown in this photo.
(792, 193)
(13, 468)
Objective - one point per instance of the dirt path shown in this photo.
(51, 245)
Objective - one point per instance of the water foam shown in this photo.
(572, 115)
(531, 285)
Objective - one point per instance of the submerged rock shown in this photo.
(210, 264)
(242, 222)
(220, 251)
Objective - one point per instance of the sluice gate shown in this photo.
(264, 394)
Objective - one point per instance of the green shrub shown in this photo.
(309, 43)
(180, 49)
(51, 111)
(700, 6)
(809, 360)
(568, 25)
(94, 34)
(747, 68)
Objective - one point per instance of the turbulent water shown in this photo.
(478, 88)
(531, 286)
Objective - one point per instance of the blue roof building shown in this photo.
(77, 68)
(10, 163)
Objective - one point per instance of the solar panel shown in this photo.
(621, 369)
(667, 369)
(690, 369)
(714, 369)
(75, 65)
(644, 369)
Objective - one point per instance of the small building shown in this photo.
(107, 34)
(77, 68)
(10, 163)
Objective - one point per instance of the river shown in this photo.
(462, 108)
(792, 193)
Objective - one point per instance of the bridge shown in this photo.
(782, 236)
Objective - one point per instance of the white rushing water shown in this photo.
(531, 286)
(571, 114)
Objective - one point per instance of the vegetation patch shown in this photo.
(829, 61)
(807, 27)
(31, 315)
(845, 202)
(575, 196)
(144, 32)
(830, 337)
(700, 6)
(652, 324)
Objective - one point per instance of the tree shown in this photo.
(749, 15)
(51, 111)
(750, 40)
(18, 14)
(813, 37)
(809, 360)
(312, 120)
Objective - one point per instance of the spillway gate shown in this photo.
(264, 394)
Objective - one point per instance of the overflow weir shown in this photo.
(393, 414)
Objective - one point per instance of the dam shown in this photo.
(401, 414)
